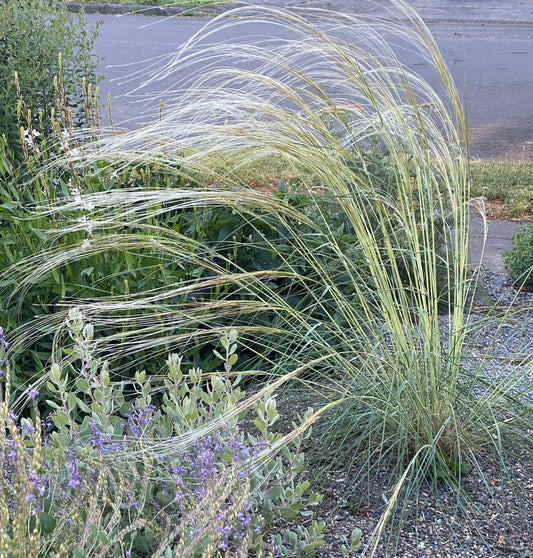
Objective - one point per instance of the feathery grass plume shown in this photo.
(364, 297)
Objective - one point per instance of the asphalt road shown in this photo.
(491, 62)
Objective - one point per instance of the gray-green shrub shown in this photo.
(118, 476)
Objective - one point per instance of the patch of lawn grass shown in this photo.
(174, 3)
(507, 187)
(510, 183)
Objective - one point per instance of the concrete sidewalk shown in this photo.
(499, 240)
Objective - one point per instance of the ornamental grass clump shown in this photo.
(364, 302)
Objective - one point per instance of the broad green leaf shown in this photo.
(273, 492)
(60, 420)
(48, 523)
(82, 384)
(288, 514)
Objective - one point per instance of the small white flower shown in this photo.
(29, 138)
(89, 226)
(31, 135)
(64, 139)
(76, 193)
(86, 244)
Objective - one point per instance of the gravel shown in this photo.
(494, 514)
(499, 520)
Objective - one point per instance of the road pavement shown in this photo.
(487, 44)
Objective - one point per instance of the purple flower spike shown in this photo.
(71, 464)
(32, 392)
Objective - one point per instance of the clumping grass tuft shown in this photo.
(364, 298)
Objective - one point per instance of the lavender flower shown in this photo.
(47, 422)
(13, 450)
(224, 531)
(139, 418)
(104, 443)
(193, 471)
(32, 392)
(39, 483)
(28, 429)
(260, 524)
(71, 464)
